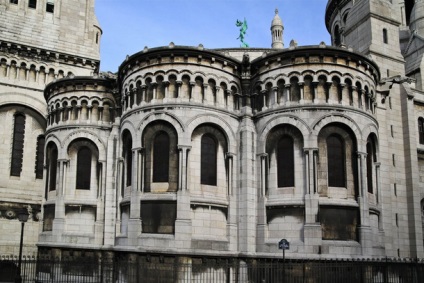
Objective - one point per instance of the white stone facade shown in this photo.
(198, 152)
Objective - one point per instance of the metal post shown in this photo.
(18, 278)
(284, 265)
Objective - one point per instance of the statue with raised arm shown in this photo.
(243, 28)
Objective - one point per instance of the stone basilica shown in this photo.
(196, 152)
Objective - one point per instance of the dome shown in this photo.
(277, 20)
(416, 22)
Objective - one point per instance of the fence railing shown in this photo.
(73, 270)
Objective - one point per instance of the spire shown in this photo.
(277, 29)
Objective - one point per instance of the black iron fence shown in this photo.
(37, 270)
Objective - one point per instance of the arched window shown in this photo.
(83, 168)
(127, 152)
(385, 36)
(336, 161)
(18, 145)
(208, 165)
(337, 36)
(421, 130)
(52, 166)
(285, 162)
(370, 159)
(39, 157)
(161, 158)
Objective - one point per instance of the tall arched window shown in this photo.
(370, 159)
(127, 152)
(285, 162)
(337, 36)
(161, 158)
(52, 166)
(336, 161)
(208, 165)
(421, 130)
(83, 168)
(39, 157)
(18, 145)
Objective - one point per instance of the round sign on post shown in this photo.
(284, 245)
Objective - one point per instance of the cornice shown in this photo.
(46, 55)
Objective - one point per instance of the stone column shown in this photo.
(274, 91)
(264, 98)
(141, 154)
(133, 97)
(248, 198)
(345, 94)
(143, 93)
(37, 75)
(179, 84)
(190, 91)
(134, 223)
(312, 227)
(311, 195)
(155, 92)
(219, 97)
(137, 171)
(314, 87)
(7, 70)
(363, 94)
(134, 169)
(264, 186)
(59, 221)
(229, 156)
(100, 215)
(183, 166)
(120, 174)
(18, 72)
(287, 94)
(183, 224)
(166, 83)
(355, 97)
(365, 233)
(302, 94)
(377, 181)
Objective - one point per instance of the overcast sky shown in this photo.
(130, 25)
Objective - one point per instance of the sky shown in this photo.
(130, 25)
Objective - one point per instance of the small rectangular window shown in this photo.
(50, 6)
(385, 36)
(395, 189)
(391, 130)
(14, 1)
(393, 160)
(32, 4)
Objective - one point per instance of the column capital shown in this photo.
(262, 154)
(230, 155)
(361, 153)
(308, 149)
(182, 147)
